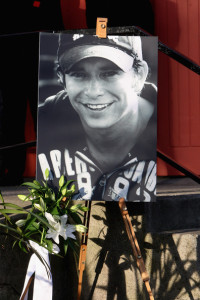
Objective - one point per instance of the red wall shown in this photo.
(177, 24)
(71, 8)
(30, 135)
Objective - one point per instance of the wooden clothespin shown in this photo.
(101, 27)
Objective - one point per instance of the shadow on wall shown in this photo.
(170, 259)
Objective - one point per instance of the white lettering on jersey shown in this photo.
(68, 163)
(80, 165)
(137, 177)
(83, 179)
(56, 162)
(44, 165)
(129, 173)
(85, 185)
(121, 187)
(150, 180)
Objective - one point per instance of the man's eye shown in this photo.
(107, 74)
(80, 75)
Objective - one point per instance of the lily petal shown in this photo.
(63, 219)
(50, 219)
(56, 249)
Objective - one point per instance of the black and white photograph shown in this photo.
(97, 114)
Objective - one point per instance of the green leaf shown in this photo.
(7, 217)
(73, 188)
(68, 193)
(61, 181)
(31, 224)
(64, 191)
(42, 204)
(12, 205)
(48, 193)
(75, 218)
(45, 184)
(19, 230)
(34, 226)
(22, 246)
(1, 197)
(30, 233)
(49, 244)
(23, 197)
(32, 185)
(47, 174)
(69, 181)
(9, 228)
(65, 246)
(14, 244)
(54, 211)
(37, 183)
(13, 211)
(53, 197)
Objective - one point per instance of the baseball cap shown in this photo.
(121, 50)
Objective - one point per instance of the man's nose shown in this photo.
(94, 88)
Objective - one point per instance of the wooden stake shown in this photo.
(83, 249)
(135, 246)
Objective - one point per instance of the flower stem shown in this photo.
(42, 236)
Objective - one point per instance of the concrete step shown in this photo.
(179, 187)
(177, 208)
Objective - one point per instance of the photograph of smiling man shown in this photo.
(99, 127)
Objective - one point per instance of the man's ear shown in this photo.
(141, 76)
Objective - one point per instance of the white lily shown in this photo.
(60, 228)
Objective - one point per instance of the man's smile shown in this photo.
(97, 107)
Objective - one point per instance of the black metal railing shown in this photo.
(180, 58)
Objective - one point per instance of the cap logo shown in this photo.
(114, 38)
(77, 36)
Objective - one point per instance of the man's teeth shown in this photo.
(97, 106)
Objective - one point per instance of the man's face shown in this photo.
(101, 93)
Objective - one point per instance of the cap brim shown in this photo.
(120, 58)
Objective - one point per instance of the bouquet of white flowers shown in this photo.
(50, 221)
(52, 217)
